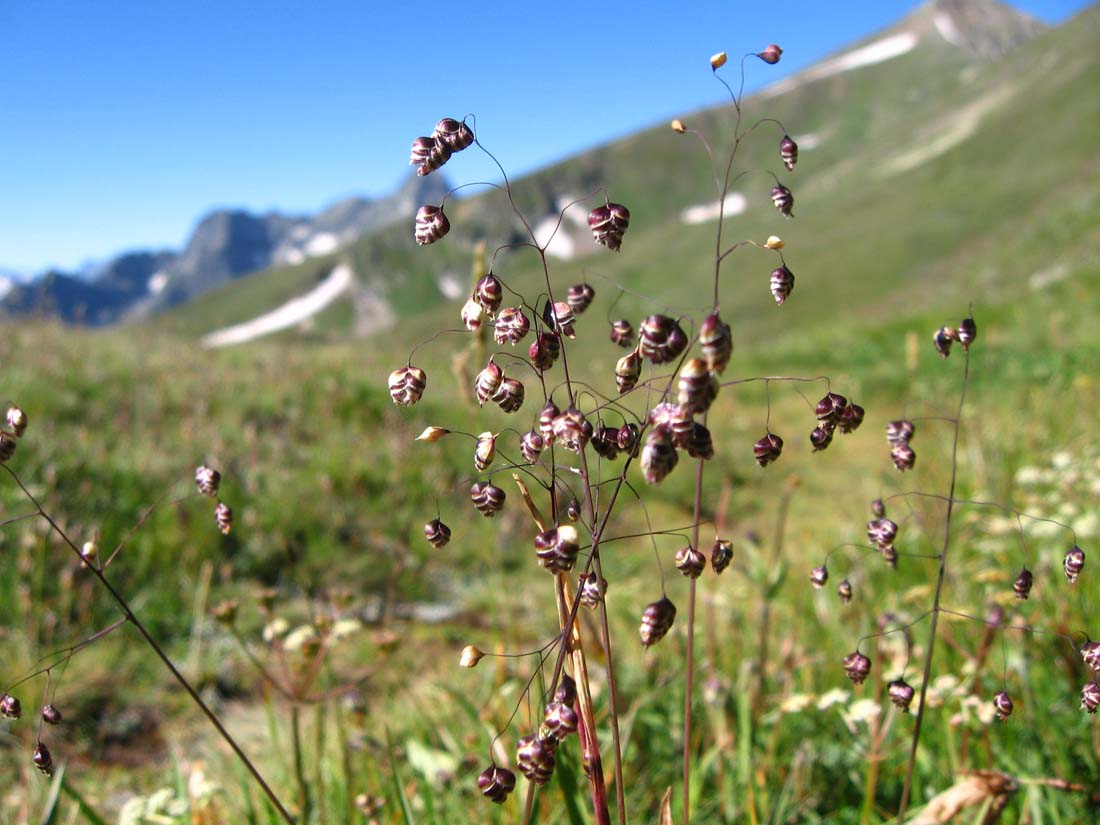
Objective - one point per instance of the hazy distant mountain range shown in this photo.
(226, 244)
(933, 84)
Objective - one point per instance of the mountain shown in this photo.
(930, 162)
(225, 245)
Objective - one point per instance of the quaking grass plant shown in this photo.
(580, 464)
(894, 641)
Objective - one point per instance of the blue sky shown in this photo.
(122, 122)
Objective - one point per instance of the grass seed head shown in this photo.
(223, 517)
(207, 479)
(437, 533)
(1022, 585)
(544, 350)
(509, 395)
(783, 199)
(771, 54)
(857, 666)
(788, 152)
(690, 562)
(844, 591)
(1002, 705)
(535, 758)
(530, 446)
(454, 134)
(967, 332)
(1090, 697)
(592, 589)
(1073, 563)
(487, 498)
(622, 333)
(657, 620)
(721, 554)
(819, 577)
(579, 297)
(17, 421)
(608, 224)
(716, 342)
(488, 293)
(42, 759)
(496, 783)
(782, 283)
(901, 693)
(428, 154)
(10, 707)
(407, 385)
(1090, 654)
(431, 225)
(511, 326)
(767, 449)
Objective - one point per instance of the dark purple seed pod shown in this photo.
(850, 418)
(942, 341)
(42, 759)
(699, 443)
(622, 333)
(628, 439)
(1002, 705)
(567, 690)
(716, 342)
(547, 415)
(605, 441)
(788, 152)
(51, 715)
(903, 457)
(559, 720)
(562, 319)
(486, 451)
(657, 620)
(544, 350)
(878, 508)
(573, 509)
(592, 589)
(511, 326)
(783, 200)
(579, 297)
(7, 447)
(767, 449)
(844, 591)
(608, 224)
(658, 455)
(830, 408)
(881, 532)
(471, 315)
(10, 707)
(509, 395)
(496, 783)
(1073, 563)
(819, 576)
(857, 666)
(967, 332)
(571, 430)
(557, 548)
(661, 339)
(223, 517)
(1090, 655)
(428, 154)
(690, 562)
(1022, 586)
(487, 498)
(488, 293)
(678, 422)
(821, 437)
(530, 446)
(454, 134)
(535, 758)
(437, 533)
(627, 371)
(696, 387)
(899, 432)
(771, 54)
(17, 421)
(890, 556)
(721, 554)
(901, 693)
(782, 283)
(1090, 697)
(487, 383)
(431, 225)
(207, 479)
(407, 385)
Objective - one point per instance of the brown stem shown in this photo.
(936, 600)
(159, 651)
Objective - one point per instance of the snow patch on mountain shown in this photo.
(294, 312)
(735, 204)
